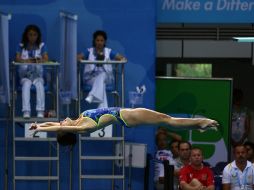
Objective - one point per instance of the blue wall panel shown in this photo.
(204, 11)
(131, 31)
(25, 2)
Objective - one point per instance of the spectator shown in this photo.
(99, 75)
(196, 176)
(174, 148)
(250, 151)
(238, 175)
(32, 50)
(162, 154)
(184, 149)
(240, 119)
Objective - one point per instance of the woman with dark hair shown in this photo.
(92, 120)
(99, 75)
(32, 50)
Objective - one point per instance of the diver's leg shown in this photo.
(140, 116)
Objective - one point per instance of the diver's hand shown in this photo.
(35, 128)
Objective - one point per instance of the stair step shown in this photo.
(34, 139)
(24, 158)
(102, 176)
(102, 138)
(102, 157)
(36, 178)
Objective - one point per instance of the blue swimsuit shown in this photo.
(95, 114)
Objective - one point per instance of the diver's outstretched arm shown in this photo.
(55, 128)
(48, 124)
(67, 125)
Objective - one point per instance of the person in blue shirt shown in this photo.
(32, 50)
(99, 75)
(95, 119)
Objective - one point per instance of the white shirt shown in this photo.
(236, 178)
(159, 168)
(31, 71)
(238, 123)
(91, 68)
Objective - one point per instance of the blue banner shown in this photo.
(68, 53)
(4, 60)
(209, 11)
(130, 26)
(25, 2)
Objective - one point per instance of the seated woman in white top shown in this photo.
(32, 50)
(99, 75)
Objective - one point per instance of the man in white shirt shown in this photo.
(239, 174)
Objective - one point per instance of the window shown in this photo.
(192, 70)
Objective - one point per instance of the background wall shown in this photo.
(229, 59)
(188, 97)
(242, 73)
(131, 31)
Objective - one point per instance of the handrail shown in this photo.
(103, 62)
(68, 15)
(50, 63)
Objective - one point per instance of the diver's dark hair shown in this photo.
(66, 138)
(99, 33)
(25, 38)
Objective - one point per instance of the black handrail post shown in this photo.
(171, 177)
(147, 172)
(168, 175)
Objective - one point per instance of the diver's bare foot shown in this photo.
(208, 124)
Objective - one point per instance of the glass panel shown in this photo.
(193, 70)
